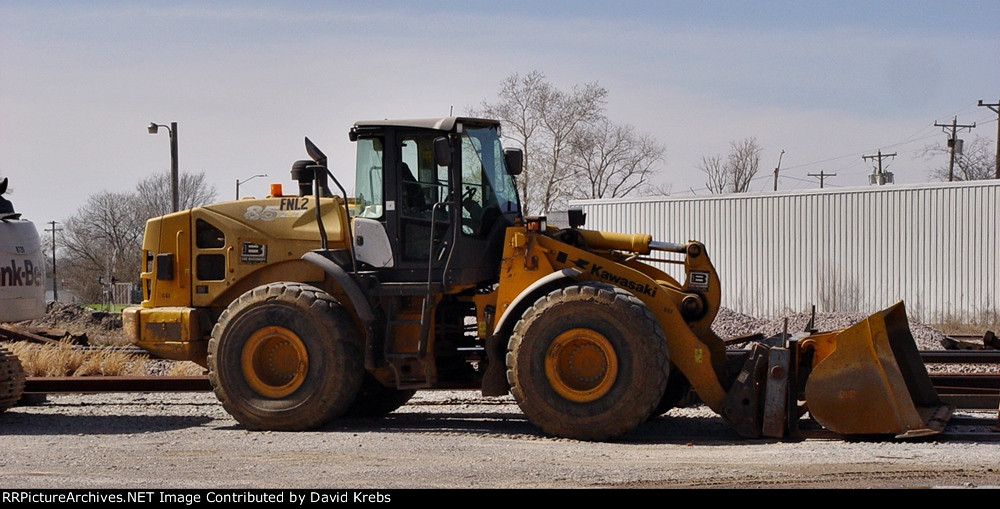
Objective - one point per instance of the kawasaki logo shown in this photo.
(25, 274)
(599, 272)
(624, 282)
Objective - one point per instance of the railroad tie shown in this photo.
(996, 427)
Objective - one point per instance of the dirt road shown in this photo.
(442, 439)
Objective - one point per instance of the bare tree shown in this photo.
(611, 161)
(564, 115)
(543, 120)
(715, 170)
(152, 201)
(659, 189)
(975, 162)
(737, 171)
(744, 162)
(104, 238)
(518, 108)
(101, 241)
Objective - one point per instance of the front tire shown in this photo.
(588, 362)
(285, 356)
(12, 380)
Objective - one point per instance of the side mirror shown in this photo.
(315, 153)
(514, 159)
(442, 151)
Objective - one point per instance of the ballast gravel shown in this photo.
(443, 440)
(459, 439)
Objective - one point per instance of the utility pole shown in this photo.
(776, 170)
(55, 279)
(995, 108)
(880, 175)
(952, 142)
(821, 176)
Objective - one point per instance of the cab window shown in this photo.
(369, 197)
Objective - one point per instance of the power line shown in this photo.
(996, 109)
(917, 136)
(909, 139)
(798, 179)
(881, 177)
(822, 175)
(953, 143)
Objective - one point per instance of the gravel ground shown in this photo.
(729, 323)
(444, 439)
(457, 439)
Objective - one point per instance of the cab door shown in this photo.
(424, 205)
(402, 189)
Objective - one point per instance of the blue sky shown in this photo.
(827, 82)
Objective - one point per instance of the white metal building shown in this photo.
(934, 246)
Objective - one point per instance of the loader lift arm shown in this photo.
(867, 379)
(684, 312)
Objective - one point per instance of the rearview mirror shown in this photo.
(442, 151)
(315, 153)
(514, 158)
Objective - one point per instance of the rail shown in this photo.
(964, 390)
(91, 384)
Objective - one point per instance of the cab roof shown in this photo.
(441, 124)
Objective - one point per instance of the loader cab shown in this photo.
(433, 198)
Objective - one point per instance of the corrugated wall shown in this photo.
(935, 246)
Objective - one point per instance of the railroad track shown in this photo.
(964, 390)
(974, 391)
(93, 384)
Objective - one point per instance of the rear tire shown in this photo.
(376, 400)
(12, 380)
(285, 356)
(588, 362)
(678, 393)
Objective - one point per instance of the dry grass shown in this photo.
(185, 368)
(63, 360)
(839, 293)
(970, 329)
(980, 323)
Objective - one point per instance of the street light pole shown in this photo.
(55, 278)
(174, 177)
(244, 181)
(172, 131)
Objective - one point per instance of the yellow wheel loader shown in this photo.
(315, 305)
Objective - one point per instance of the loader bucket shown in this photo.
(869, 379)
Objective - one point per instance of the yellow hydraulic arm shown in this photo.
(685, 311)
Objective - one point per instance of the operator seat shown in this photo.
(413, 196)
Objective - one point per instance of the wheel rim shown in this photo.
(581, 365)
(274, 362)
